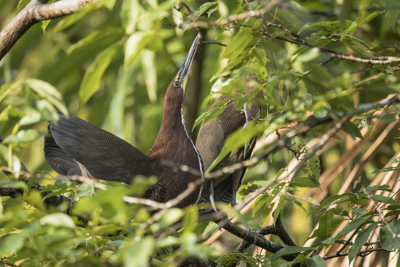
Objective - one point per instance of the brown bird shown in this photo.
(174, 143)
(210, 141)
(77, 147)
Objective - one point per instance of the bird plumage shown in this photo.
(210, 141)
(77, 147)
(174, 144)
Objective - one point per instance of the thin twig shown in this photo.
(360, 253)
(253, 13)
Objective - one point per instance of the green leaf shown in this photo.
(324, 227)
(384, 187)
(149, 70)
(387, 238)
(304, 182)
(58, 219)
(139, 40)
(109, 3)
(238, 44)
(383, 199)
(357, 46)
(316, 261)
(279, 207)
(48, 92)
(353, 225)
(210, 115)
(238, 139)
(24, 136)
(92, 79)
(329, 201)
(266, 200)
(297, 202)
(360, 21)
(96, 36)
(14, 184)
(289, 250)
(138, 255)
(31, 118)
(387, 169)
(73, 18)
(361, 239)
(352, 129)
(12, 243)
(190, 220)
(129, 15)
(171, 216)
(45, 23)
(203, 8)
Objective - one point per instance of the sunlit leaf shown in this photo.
(48, 92)
(24, 136)
(58, 219)
(138, 254)
(96, 36)
(149, 70)
(129, 15)
(12, 243)
(92, 79)
(139, 40)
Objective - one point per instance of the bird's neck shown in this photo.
(173, 142)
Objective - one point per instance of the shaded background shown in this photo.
(130, 98)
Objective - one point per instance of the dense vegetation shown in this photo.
(327, 160)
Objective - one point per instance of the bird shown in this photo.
(174, 143)
(210, 141)
(77, 147)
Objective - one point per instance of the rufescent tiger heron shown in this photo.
(211, 139)
(77, 147)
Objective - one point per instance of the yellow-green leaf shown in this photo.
(92, 79)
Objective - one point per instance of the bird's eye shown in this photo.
(177, 80)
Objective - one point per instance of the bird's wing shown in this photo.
(208, 140)
(98, 152)
(58, 159)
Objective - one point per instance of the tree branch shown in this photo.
(361, 253)
(34, 12)
(253, 13)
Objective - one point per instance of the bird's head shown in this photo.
(181, 79)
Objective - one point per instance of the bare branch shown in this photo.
(33, 13)
(276, 229)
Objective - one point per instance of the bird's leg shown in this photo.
(211, 195)
(245, 144)
(255, 233)
(200, 192)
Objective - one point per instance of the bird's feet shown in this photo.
(255, 234)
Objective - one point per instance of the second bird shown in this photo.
(211, 139)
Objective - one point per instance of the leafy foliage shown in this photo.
(111, 64)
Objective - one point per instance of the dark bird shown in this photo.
(77, 147)
(210, 141)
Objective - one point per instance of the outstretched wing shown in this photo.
(58, 159)
(76, 143)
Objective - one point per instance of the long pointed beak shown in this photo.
(183, 74)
